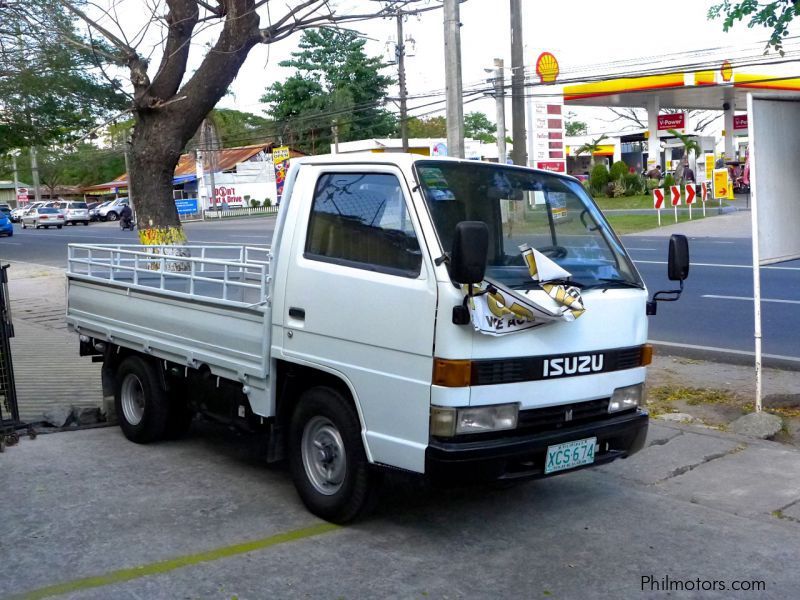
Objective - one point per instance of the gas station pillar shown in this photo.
(653, 146)
(729, 150)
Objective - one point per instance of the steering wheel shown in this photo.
(554, 251)
(584, 212)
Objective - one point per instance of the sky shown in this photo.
(585, 36)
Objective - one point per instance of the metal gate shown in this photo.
(9, 409)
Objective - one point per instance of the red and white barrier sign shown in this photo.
(658, 199)
(675, 195)
(691, 194)
(704, 191)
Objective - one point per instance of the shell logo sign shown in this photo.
(726, 71)
(547, 67)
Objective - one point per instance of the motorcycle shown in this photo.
(127, 222)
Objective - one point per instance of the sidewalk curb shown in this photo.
(725, 355)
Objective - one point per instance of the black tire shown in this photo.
(59, 226)
(346, 499)
(152, 424)
(86, 223)
(112, 216)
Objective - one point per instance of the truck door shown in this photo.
(361, 301)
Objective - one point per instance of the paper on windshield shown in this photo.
(498, 310)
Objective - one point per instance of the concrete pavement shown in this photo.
(48, 371)
(94, 516)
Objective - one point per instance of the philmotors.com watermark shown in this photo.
(651, 583)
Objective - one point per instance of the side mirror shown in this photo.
(677, 270)
(678, 262)
(469, 253)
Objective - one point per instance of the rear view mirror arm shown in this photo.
(663, 296)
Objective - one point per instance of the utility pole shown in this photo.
(519, 153)
(452, 65)
(35, 172)
(400, 52)
(207, 141)
(16, 178)
(335, 134)
(128, 171)
(500, 104)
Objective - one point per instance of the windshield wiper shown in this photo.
(608, 283)
(535, 284)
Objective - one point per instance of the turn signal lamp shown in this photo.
(647, 354)
(452, 373)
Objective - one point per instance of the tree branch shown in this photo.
(181, 20)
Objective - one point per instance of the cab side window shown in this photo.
(360, 220)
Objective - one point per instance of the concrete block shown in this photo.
(760, 425)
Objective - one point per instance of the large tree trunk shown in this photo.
(167, 116)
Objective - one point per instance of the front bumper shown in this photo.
(523, 456)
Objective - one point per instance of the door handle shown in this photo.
(297, 313)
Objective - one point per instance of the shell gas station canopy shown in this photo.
(705, 90)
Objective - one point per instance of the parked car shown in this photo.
(6, 227)
(93, 206)
(43, 216)
(110, 212)
(5, 209)
(75, 212)
(16, 214)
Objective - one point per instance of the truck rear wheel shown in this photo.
(326, 456)
(141, 403)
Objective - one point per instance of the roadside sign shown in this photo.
(704, 191)
(22, 198)
(709, 163)
(721, 184)
(658, 198)
(691, 194)
(675, 195)
(22, 191)
(187, 206)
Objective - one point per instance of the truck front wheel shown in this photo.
(326, 456)
(141, 403)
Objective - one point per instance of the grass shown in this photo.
(623, 224)
(625, 202)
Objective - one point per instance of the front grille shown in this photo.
(495, 371)
(555, 417)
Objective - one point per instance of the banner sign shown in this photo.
(497, 310)
(709, 162)
(187, 206)
(671, 121)
(280, 161)
(740, 124)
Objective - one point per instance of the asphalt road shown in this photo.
(715, 312)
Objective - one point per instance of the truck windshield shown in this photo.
(551, 213)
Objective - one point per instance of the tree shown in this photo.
(168, 99)
(49, 92)
(334, 79)
(590, 148)
(690, 145)
(478, 126)
(573, 127)
(432, 127)
(775, 15)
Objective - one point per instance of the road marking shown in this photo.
(172, 564)
(793, 359)
(749, 299)
(663, 262)
(644, 249)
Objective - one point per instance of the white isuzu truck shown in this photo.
(452, 318)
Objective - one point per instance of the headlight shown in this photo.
(447, 422)
(625, 398)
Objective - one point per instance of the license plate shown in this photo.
(570, 455)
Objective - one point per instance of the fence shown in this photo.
(241, 212)
(9, 410)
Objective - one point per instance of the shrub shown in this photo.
(653, 184)
(267, 202)
(615, 189)
(599, 179)
(254, 203)
(634, 184)
(618, 170)
(669, 180)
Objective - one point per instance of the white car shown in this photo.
(44, 216)
(111, 211)
(75, 212)
(16, 214)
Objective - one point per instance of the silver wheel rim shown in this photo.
(132, 399)
(324, 457)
